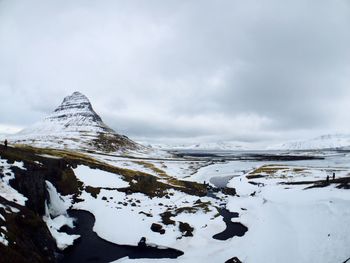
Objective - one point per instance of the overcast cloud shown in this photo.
(188, 70)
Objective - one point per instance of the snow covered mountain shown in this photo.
(210, 146)
(75, 125)
(335, 141)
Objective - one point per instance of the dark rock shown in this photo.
(31, 183)
(146, 214)
(186, 229)
(142, 242)
(229, 191)
(157, 228)
(29, 238)
(233, 260)
(166, 220)
(198, 201)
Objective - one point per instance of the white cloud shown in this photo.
(228, 69)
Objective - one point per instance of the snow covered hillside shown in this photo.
(210, 146)
(323, 142)
(75, 125)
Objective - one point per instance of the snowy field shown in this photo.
(286, 223)
(291, 213)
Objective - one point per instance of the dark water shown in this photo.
(91, 248)
(223, 155)
(232, 229)
(221, 181)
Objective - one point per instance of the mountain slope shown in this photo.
(329, 141)
(75, 125)
(210, 146)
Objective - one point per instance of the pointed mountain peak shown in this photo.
(77, 107)
(75, 101)
(76, 96)
(74, 125)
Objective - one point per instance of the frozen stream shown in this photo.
(91, 248)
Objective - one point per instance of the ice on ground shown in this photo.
(63, 240)
(222, 169)
(99, 178)
(56, 216)
(58, 204)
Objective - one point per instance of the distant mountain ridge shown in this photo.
(75, 125)
(210, 146)
(324, 142)
(329, 141)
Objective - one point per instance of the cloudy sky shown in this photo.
(252, 70)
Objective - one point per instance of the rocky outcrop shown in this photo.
(27, 236)
(29, 240)
(31, 183)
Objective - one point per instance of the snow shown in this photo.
(19, 165)
(56, 216)
(285, 223)
(124, 218)
(178, 168)
(99, 178)
(63, 240)
(6, 191)
(209, 146)
(218, 169)
(3, 229)
(3, 239)
(49, 156)
(330, 141)
(311, 223)
(75, 114)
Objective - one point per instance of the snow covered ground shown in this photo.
(6, 191)
(98, 178)
(290, 224)
(179, 168)
(10, 194)
(286, 223)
